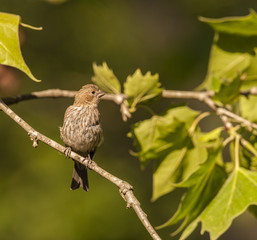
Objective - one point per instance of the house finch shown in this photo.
(81, 131)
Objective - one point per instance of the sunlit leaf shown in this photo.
(141, 88)
(225, 64)
(246, 25)
(233, 53)
(105, 79)
(203, 184)
(177, 166)
(235, 196)
(10, 53)
(154, 136)
(251, 77)
(166, 140)
(247, 105)
(238, 192)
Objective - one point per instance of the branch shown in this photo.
(50, 93)
(205, 97)
(126, 190)
(120, 99)
(58, 93)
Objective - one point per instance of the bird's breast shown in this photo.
(81, 129)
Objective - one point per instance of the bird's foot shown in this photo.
(88, 159)
(67, 152)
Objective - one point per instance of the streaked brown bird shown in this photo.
(81, 131)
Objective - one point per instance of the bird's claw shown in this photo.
(88, 159)
(67, 152)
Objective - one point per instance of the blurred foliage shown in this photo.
(162, 36)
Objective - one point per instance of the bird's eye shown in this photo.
(93, 92)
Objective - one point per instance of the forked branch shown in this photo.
(126, 190)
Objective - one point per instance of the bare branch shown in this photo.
(125, 189)
(186, 94)
(121, 99)
(237, 118)
(50, 93)
(205, 97)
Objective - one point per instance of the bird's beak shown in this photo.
(100, 93)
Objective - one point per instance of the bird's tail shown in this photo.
(79, 177)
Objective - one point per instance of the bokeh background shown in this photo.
(164, 37)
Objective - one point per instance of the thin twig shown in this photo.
(126, 190)
(205, 97)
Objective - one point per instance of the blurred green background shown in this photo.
(164, 37)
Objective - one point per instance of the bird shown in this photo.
(81, 131)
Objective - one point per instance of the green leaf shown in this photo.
(178, 166)
(203, 184)
(105, 79)
(199, 196)
(211, 136)
(251, 77)
(235, 196)
(229, 91)
(166, 140)
(141, 88)
(155, 137)
(225, 64)
(10, 53)
(233, 51)
(246, 25)
(246, 106)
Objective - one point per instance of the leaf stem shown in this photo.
(197, 120)
(237, 140)
(31, 27)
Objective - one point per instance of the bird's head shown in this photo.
(88, 94)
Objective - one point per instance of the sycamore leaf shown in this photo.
(246, 106)
(225, 64)
(203, 184)
(251, 77)
(235, 196)
(233, 51)
(105, 79)
(246, 25)
(141, 88)
(177, 166)
(211, 136)
(166, 140)
(155, 137)
(10, 53)
(228, 91)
